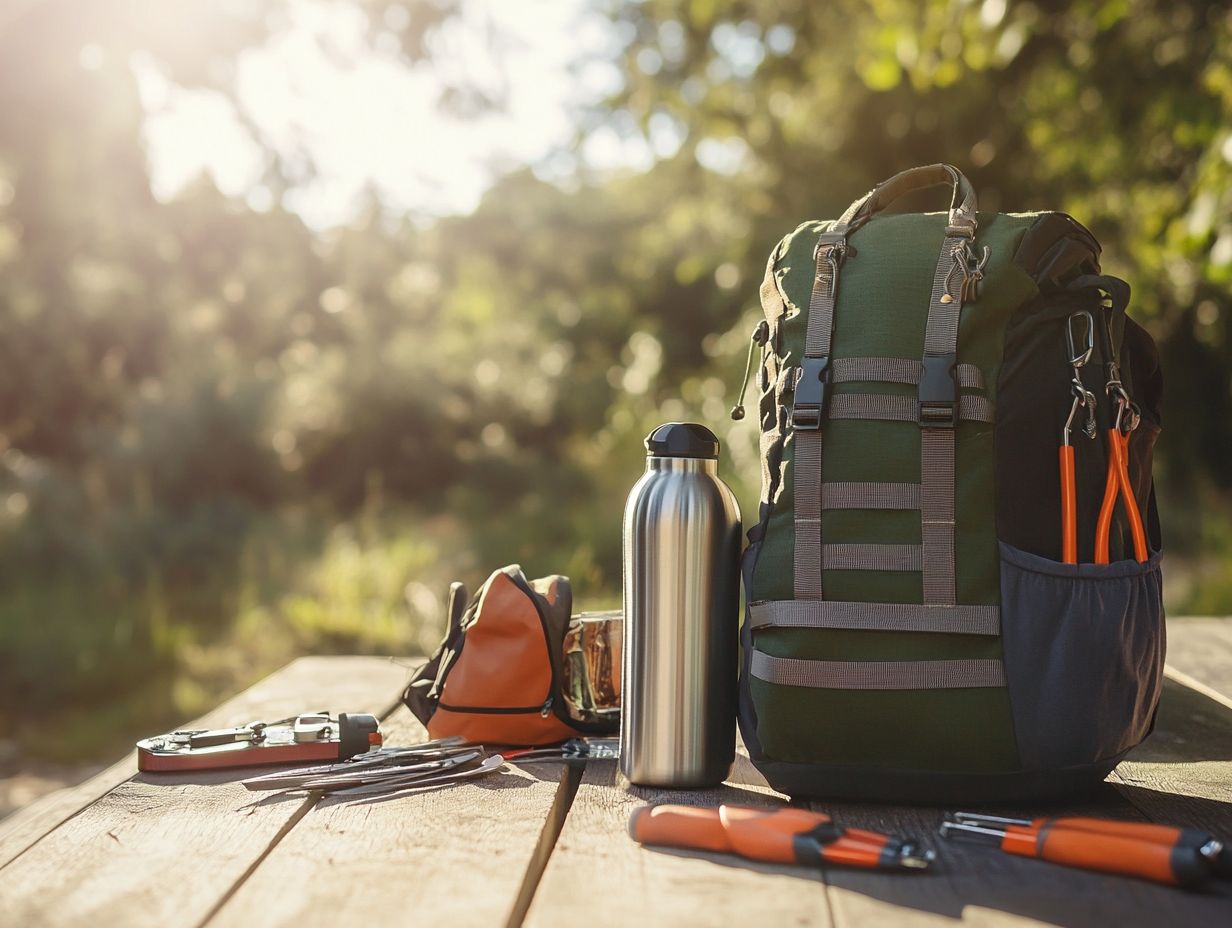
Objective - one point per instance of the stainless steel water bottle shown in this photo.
(681, 592)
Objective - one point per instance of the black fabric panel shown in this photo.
(1056, 249)
(803, 781)
(419, 696)
(1033, 400)
(1084, 656)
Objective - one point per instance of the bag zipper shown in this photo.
(549, 699)
(498, 710)
(545, 709)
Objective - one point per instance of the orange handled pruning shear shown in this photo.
(1160, 853)
(774, 835)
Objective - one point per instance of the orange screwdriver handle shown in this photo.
(1188, 838)
(1069, 506)
(1106, 853)
(1141, 831)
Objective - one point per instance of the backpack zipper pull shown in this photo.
(547, 707)
(760, 336)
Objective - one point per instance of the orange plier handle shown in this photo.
(1069, 506)
(1117, 483)
(772, 835)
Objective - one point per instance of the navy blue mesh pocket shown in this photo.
(1084, 656)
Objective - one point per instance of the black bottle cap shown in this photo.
(682, 440)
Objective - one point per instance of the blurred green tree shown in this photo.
(226, 436)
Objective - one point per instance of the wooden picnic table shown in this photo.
(547, 845)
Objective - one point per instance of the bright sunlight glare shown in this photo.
(350, 120)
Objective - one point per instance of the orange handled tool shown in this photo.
(1172, 856)
(1118, 482)
(1210, 847)
(1080, 339)
(1069, 505)
(1127, 417)
(774, 835)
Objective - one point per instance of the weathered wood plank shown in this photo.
(599, 876)
(1182, 774)
(983, 886)
(1202, 649)
(456, 856)
(277, 695)
(161, 849)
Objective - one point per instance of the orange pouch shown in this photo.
(497, 676)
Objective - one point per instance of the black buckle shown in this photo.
(938, 392)
(809, 406)
(836, 242)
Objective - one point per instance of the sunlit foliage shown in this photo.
(226, 437)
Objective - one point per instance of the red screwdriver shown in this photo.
(1160, 853)
(774, 835)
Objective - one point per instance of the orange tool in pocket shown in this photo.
(1080, 340)
(1117, 483)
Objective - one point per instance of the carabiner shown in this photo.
(1078, 357)
(1081, 345)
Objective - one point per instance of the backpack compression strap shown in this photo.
(937, 410)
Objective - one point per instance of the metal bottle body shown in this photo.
(681, 609)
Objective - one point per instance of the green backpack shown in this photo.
(922, 621)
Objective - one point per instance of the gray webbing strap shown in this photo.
(870, 495)
(938, 417)
(809, 410)
(902, 408)
(896, 370)
(889, 617)
(871, 557)
(877, 675)
(806, 464)
(937, 479)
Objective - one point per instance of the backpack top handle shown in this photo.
(962, 200)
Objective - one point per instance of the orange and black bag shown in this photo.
(499, 676)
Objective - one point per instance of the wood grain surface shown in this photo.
(599, 876)
(162, 849)
(1202, 649)
(455, 856)
(1180, 776)
(183, 850)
